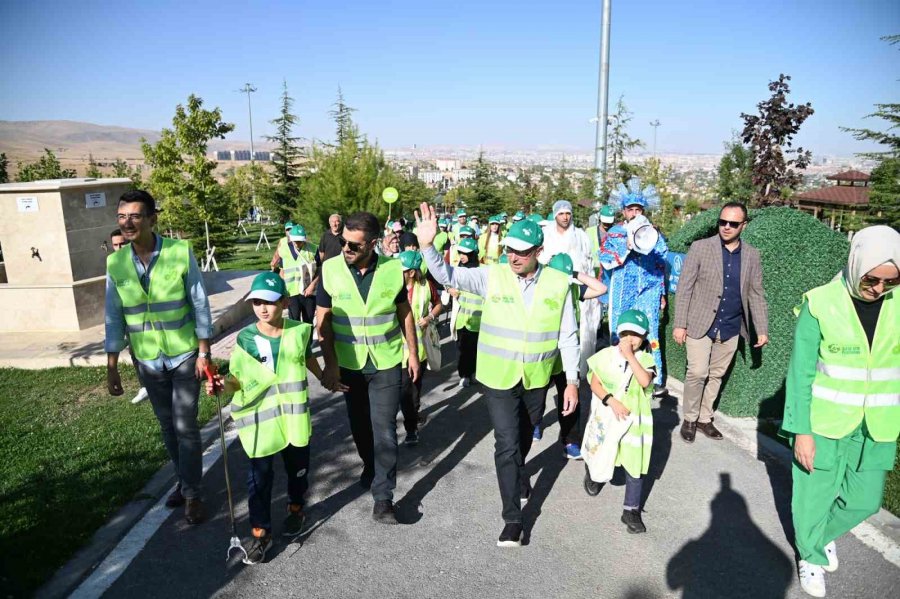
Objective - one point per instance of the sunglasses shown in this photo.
(352, 245)
(520, 253)
(734, 224)
(869, 281)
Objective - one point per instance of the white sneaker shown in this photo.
(141, 396)
(831, 554)
(465, 382)
(812, 578)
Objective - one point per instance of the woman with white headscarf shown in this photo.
(842, 405)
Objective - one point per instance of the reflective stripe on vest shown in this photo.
(271, 409)
(514, 343)
(300, 271)
(367, 329)
(159, 320)
(854, 382)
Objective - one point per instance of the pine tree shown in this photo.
(482, 197)
(618, 143)
(288, 153)
(343, 119)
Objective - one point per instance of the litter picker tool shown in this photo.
(235, 544)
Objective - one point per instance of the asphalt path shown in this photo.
(718, 522)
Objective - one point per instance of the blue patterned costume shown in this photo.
(637, 281)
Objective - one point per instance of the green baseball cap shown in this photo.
(444, 222)
(460, 212)
(467, 245)
(466, 230)
(410, 260)
(298, 233)
(496, 219)
(518, 216)
(607, 215)
(563, 263)
(288, 225)
(634, 321)
(268, 287)
(524, 235)
(535, 218)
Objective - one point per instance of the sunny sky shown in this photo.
(519, 73)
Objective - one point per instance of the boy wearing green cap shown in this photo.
(300, 266)
(526, 321)
(268, 376)
(621, 380)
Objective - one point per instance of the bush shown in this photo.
(798, 253)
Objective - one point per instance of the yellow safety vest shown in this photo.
(489, 254)
(852, 381)
(271, 410)
(515, 344)
(469, 315)
(159, 320)
(300, 271)
(365, 329)
(421, 307)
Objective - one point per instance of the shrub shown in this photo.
(798, 253)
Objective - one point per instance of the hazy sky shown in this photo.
(514, 73)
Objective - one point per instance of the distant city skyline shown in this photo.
(498, 74)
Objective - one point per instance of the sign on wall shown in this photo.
(27, 204)
(95, 200)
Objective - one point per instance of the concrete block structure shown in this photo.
(54, 238)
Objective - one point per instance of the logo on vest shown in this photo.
(343, 296)
(505, 299)
(844, 350)
(551, 303)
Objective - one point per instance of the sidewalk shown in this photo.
(718, 520)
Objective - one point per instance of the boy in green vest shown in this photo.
(268, 378)
(300, 266)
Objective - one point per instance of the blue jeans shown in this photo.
(173, 395)
(262, 475)
(633, 487)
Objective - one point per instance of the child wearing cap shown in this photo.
(467, 317)
(622, 379)
(426, 307)
(268, 376)
(300, 266)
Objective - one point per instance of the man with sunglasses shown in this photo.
(361, 307)
(719, 289)
(527, 320)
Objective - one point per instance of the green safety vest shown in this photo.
(635, 446)
(365, 329)
(282, 247)
(853, 382)
(514, 343)
(421, 306)
(271, 411)
(157, 321)
(440, 241)
(300, 271)
(483, 250)
(469, 315)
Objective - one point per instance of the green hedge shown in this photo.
(798, 253)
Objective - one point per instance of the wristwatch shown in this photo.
(572, 382)
(606, 398)
(205, 355)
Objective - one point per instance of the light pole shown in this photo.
(249, 89)
(602, 103)
(655, 124)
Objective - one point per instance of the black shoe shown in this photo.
(293, 524)
(366, 478)
(590, 487)
(688, 431)
(511, 536)
(176, 499)
(383, 512)
(525, 495)
(709, 429)
(259, 545)
(421, 419)
(632, 519)
(412, 439)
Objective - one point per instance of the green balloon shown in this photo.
(390, 195)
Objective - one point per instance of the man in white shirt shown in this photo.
(563, 237)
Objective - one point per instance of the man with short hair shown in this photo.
(719, 289)
(330, 244)
(117, 242)
(527, 320)
(362, 306)
(155, 294)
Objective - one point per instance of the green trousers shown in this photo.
(845, 487)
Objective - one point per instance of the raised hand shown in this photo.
(426, 225)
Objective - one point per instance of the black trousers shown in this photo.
(411, 399)
(514, 414)
(261, 476)
(467, 344)
(569, 426)
(302, 308)
(372, 405)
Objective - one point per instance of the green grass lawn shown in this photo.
(72, 456)
(245, 256)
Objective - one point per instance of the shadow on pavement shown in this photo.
(733, 558)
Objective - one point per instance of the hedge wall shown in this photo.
(798, 253)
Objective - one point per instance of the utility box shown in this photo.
(54, 238)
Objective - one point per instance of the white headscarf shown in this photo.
(870, 248)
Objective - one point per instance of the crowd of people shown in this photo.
(533, 303)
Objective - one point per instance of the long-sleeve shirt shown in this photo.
(729, 314)
(198, 304)
(475, 280)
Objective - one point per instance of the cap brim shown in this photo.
(607, 219)
(298, 238)
(631, 327)
(264, 294)
(517, 244)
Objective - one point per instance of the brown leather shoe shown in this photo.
(709, 429)
(688, 431)
(194, 510)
